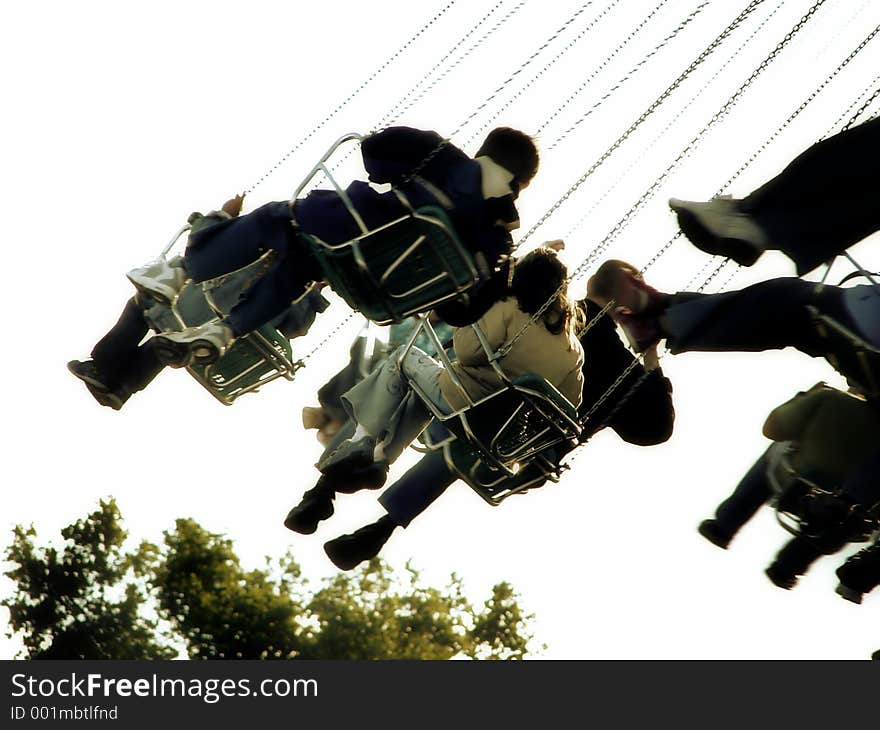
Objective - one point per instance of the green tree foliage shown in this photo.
(218, 609)
(83, 601)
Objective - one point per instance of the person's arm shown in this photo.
(393, 153)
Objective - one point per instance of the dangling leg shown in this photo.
(752, 491)
(115, 359)
(407, 498)
(821, 204)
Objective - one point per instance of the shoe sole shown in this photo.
(93, 382)
(709, 243)
(106, 398)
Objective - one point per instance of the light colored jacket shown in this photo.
(557, 358)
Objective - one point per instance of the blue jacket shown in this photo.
(404, 157)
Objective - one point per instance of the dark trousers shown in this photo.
(120, 357)
(800, 553)
(770, 315)
(862, 571)
(750, 494)
(416, 490)
(825, 200)
(232, 244)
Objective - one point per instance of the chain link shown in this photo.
(592, 75)
(629, 74)
(250, 188)
(643, 199)
(644, 115)
(568, 46)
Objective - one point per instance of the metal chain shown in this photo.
(439, 148)
(592, 75)
(408, 100)
(503, 351)
(644, 115)
(250, 188)
(330, 335)
(643, 199)
(573, 42)
(788, 121)
(411, 98)
(715, 118)
(629, 74)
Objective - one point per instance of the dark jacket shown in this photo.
(647, 415)
(404, 157)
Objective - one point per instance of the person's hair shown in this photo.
(602, 285)
(515, 151)
(538, 277)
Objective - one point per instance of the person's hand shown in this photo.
(555, 245)
(233, 206)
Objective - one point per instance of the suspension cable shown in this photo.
(573, 42)
(629, 74)
(644, 115)
(592, 75)
(339, 107)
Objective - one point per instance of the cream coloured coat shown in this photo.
(557, 358)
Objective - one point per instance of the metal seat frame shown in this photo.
(274, 356)
(375, 282)
(529, 462)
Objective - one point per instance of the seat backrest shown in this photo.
(408, 266)
(518, 422)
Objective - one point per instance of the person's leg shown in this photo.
(792, 561)
(823, 202)
(752, 491)
(119, 365)
(113, 352)
(861, 572)
(388, 414)
(404, 500)
(417, 490)
(769, 315)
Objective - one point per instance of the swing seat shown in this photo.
(793, 491)
(253, 360)
(513, 439)
(849, 354)
(405, 267)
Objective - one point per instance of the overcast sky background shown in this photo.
(120, 121)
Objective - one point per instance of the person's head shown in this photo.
(515, 151)
(538, 277)
(605, 283)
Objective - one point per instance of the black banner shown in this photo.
(458, 694)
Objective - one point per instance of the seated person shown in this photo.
(388, 416)
(122, 363)
(365, 354)
(640, 411)
(817, 207)
(479, 194)
(832, 433)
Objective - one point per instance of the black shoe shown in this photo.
(373, 476)
(718, 227)
(348, 456)
(850, 594)
(316, 505)
(713, 533)
(97, 384)
(781, 578)
(348, 551)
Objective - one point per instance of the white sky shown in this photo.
(120, 121)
